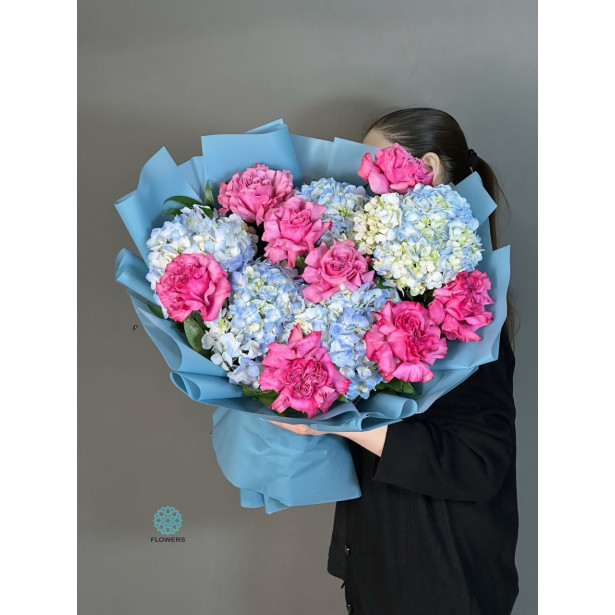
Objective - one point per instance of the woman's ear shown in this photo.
(435, 165)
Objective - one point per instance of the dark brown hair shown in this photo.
(421, 130)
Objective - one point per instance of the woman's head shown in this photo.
(436, 138)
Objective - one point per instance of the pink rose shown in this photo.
(394, 170)
(459, 306)
(253, 193)
(405, 341)
(329, 270)
(293, 228)
(193, 282)
(303, 374)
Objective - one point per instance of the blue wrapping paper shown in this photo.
(272, 467)
(225, 155)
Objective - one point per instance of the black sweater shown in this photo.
(435, 529)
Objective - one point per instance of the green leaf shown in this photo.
(396, 386)
(206, 211)
(199, 319)
(408, 389)
(194, 333)
(342, 398)
(186, 201)
(300, 262)
(266, 397)
(172, 212)
(206, 352)
(291, 413)
(156, 310)
(176, 211)
(209, 200)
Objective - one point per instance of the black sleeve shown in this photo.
(462, 446)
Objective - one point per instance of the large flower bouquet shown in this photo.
(276, 286)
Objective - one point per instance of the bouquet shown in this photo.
(324, 283)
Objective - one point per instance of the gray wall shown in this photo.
(156, 73)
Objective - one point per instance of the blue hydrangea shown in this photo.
(419, 240)
(263, 301)
(343, 320)
(228, 239)
(342, 201)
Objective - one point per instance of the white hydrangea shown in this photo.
(419, 240)
(377, 221)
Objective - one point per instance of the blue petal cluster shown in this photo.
(343, 320)
(264, 299)
(342, 201)
(228, 239)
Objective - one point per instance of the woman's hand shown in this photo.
(302, 430)
(372, 440)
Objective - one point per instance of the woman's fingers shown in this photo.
(302, 430)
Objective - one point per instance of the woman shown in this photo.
(435, 529)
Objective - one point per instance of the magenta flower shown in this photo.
(405, 341)
(293, 228)
(328, 270)
(394, 170)
(255, 192)
(192, 282)
(459, 306)
(303, 374)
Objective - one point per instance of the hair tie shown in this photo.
(472, 158)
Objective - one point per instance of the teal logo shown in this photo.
(167, 520)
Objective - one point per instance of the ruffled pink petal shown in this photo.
(436, 311)
(309, 342)
(311, 275)
(315, 256)
(319, 292)
(378, 183)
(296, 335)
(385, 360)
(270, 379)
(413, 372)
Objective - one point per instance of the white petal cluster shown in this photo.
(419, 240)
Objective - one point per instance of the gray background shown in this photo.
(156, 73)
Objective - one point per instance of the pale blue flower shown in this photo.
(263, 301)
(228, 239)
(343, 320)
(342, 201)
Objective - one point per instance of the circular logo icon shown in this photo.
(167, 520)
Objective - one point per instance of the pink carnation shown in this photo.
(459, 307)
(328, 270)
(303, 374)
(293, 228)
(253, 193)
(405, 341)
(394, 170)
(193, 282)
